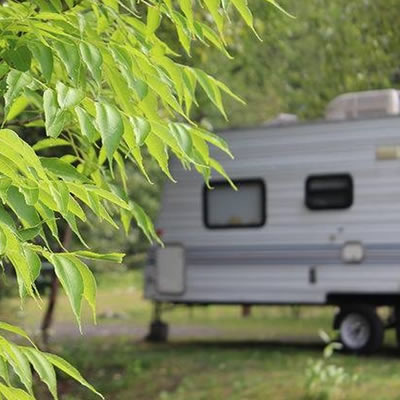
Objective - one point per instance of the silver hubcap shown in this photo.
(355, 331)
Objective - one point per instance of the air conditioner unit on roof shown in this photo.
(368, 104)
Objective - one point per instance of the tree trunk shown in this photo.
(47, 320)
(246, 310)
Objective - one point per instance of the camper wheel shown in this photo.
(361, 330)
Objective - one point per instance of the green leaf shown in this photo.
(71, 371)
(3, 242)
(26, 213)
(19, 58)
(275, 4)
(142, 129)
(60, 195)
(19, 363)
(183, 32)
(70, 56)
(211, 88)
(11, 393)
(17, 107)
(37, 123)
(11, 138)
(15, 254)
(212, 37)
(48, 216)
(44, 55)
(129, 138)
(62, 169)
(56, 4)
(113, 257)
(35, 264)
(229, 92)
(144, 222)
(43, 367)
(86, 124)
(93, 59)
(16, 81)
(243, 9)
(55, 118)
(110, 125)
(186, 7)
(112, 3)
(201, 146)
(89, 283)
(4, 372)
(126, 219)
(4, 68)
(15, 330)
(109, 196)
(50, 143)
(6, 219)
(182, 136)
(29, 233)
(71, 280)
(218, 167)
(213, 139)
(159, 152)
(213, 7)
(153, 19)
(68, 97)
(30, 192)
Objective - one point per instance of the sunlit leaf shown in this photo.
(71, 280)
(110, 125)
(43, 367)
(16, 81)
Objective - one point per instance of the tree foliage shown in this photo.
(87, 86)
(331, 47)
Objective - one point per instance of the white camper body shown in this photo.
(318, 220)
(297, 255)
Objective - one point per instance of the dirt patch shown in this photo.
(105, 329)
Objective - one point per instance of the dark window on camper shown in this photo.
(224, 207)
(325, 192)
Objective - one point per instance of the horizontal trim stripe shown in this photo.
(385, 254)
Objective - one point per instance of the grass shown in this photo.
(124, 370)
(213, 353)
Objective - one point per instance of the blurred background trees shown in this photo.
(330, 48)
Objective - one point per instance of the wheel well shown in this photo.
(372, 299)
(346, 307)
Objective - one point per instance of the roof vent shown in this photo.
(368, 104)
(282, 119)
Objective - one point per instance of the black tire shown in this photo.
(361, 330)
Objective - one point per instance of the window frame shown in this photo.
(307, 192)
(240, 181)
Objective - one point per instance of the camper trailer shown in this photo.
(315, 221)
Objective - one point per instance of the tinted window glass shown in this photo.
(324, 192)
(226, 208)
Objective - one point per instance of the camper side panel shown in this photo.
(297, 255)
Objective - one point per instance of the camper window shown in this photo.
(226, 208)
(324, 192)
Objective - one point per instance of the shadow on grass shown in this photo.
(281, 345)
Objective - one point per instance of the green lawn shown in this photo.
(213, 353)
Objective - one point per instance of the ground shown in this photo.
(213, 352)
